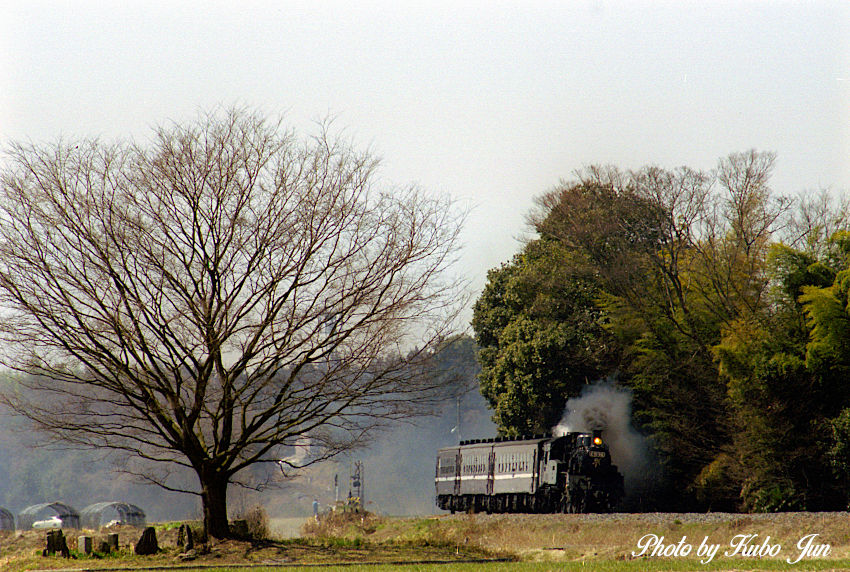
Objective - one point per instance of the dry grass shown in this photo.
(615, 537)
(343, 524)
(598, 541)
(251, 524)
(22, 550)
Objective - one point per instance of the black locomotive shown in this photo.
(571, 473)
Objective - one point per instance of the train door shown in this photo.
(491, 470)
(458, 461)
(535, 474)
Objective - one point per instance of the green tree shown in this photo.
(637, 232)
(678, 259)
(780, 403)
(541, 336)
(839, 452)
(826, 306)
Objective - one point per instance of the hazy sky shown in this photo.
(491, 102)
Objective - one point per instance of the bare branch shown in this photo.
(209, 299)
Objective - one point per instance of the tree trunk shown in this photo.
(214, 496)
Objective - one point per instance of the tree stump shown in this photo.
(56, 543)
(147, 544)
(185, 538)
(112, 541)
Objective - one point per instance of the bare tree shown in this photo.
(208, 299)
(732, 250)
(818, 216)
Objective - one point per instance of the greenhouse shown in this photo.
(7, 519)
(64, 515)
(108, 513)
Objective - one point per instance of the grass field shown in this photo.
(595, 565)
(533, 543)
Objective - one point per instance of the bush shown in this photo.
(251, 524)
(348, 524)
(776, 497)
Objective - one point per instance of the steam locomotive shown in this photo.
(571, 473)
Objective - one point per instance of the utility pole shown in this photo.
(458, 418)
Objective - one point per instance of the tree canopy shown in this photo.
(540, 336)
(721, 304)
(208, 298)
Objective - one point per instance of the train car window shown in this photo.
(445, 467)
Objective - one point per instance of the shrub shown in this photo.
(251, 524)
(340, 523)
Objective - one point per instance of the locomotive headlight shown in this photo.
(597, 441)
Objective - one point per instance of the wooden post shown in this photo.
(112, 541)
(147, 544)
(84, 544)
(56, 543)
(185, 538)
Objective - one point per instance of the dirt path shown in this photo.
(286, 527)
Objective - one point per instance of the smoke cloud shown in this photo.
(608, 406)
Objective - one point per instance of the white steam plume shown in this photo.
(607, 406)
